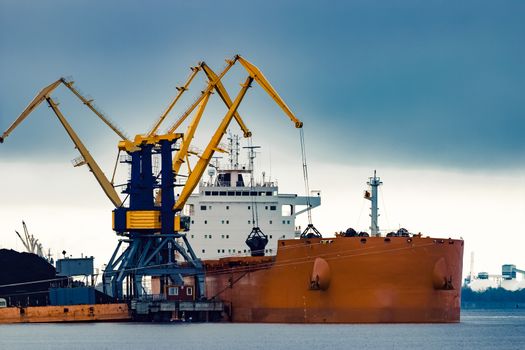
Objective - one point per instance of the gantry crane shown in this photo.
(154, 231)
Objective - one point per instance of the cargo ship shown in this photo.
(351, 278)
(343, 280)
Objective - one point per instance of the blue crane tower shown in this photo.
(154, 234)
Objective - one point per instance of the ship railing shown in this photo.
(152, 297)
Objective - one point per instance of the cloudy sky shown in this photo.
(429, 93)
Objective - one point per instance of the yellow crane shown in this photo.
(214, 80)
(44, 95)
(204, 160)
(153, 233)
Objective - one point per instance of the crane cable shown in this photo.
(305, 176)
(255, 213)
(310, 231)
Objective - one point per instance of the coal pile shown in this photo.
(18, 267)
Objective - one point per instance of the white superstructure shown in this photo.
(230, 203)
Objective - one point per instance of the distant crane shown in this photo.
(32, 244)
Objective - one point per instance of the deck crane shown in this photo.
(86, 158)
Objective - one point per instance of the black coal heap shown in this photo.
(24, 267)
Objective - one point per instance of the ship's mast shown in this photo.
(234, 151)
(374, 183)
(251, 157)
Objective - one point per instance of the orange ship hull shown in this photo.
(343, 280)
(69, 313)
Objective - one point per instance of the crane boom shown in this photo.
(69, 85)
(182, 153)
(209, 88)
(108, 189)
(181, 89)
(41, 96)
(206, 156)
(256, 74)
(219, 87)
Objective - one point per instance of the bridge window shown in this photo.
(287, 210)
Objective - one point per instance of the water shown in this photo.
(479, 329)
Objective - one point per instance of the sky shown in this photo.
(429, 93)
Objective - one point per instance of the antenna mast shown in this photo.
(374, 183)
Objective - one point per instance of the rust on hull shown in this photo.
(343, 280)
(69, 313)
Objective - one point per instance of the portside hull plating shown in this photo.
(68, 313)
(344, 280)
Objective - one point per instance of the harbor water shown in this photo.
(478, 329)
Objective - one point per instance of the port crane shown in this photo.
(85, 157)
(154, 230)
(31, 244)
(134, 262)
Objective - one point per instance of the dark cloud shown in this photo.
(409, 81)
